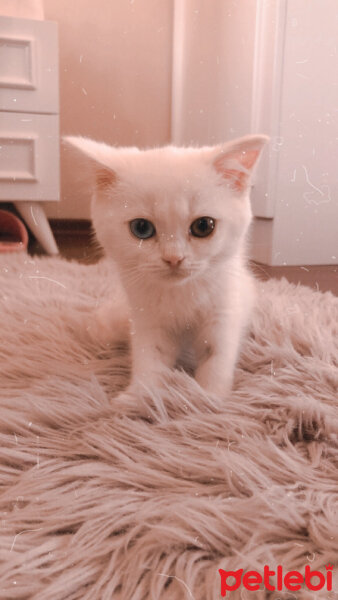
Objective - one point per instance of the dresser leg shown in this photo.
(35, 217)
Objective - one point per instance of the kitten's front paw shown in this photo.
(219, 384)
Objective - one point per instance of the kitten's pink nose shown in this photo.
(173, 261)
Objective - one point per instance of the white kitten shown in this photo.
(174, 220)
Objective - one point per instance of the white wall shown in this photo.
(288, 90)
(212, 71)
(115, 81)
(305, 224)
(116, 77)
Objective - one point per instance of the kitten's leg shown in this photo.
(217, 348)
(110, 322)
(152, 352)
(218, 341)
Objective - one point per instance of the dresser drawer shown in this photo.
(29, 80)
(29, 157)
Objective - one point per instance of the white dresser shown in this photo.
(29, 121)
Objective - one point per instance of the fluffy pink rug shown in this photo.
(146, 498)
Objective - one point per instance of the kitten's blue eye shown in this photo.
(202, 227)
(142, 228)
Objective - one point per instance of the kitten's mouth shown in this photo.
(177, 274)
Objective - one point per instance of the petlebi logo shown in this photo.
(282, 580)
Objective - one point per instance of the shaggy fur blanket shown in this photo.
(147, 497)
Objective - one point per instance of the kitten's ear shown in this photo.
(235, 161)
(101, 156)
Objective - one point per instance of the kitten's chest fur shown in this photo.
(187, 313)
(178, 309)
(181, 316)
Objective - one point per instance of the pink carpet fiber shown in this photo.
(145, 497)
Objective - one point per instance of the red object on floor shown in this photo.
(13, 233)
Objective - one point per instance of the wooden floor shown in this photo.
(76, 241)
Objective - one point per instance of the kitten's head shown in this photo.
(171, 214)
